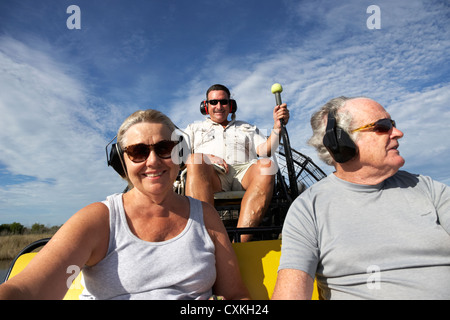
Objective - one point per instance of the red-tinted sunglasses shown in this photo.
(381, 126)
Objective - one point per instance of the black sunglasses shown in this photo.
(222, 102)
(381, 126)
(140, 152)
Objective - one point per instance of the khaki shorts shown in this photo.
(231, 181)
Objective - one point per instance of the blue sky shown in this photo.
(64, 92)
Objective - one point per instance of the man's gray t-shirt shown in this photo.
(388, 241)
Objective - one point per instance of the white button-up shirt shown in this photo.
(236, 143)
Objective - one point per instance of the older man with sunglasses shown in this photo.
(226, 157)
(369, 230)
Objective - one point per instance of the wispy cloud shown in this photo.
(63, 95)
(51, 134)
(403, 66)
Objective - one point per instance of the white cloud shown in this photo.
(56, 121)
(404, 66)
(51, 134)
(424, 117)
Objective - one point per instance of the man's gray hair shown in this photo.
(319, 124)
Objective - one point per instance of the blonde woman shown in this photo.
(149, 243)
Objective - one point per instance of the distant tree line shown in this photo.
(17, 228)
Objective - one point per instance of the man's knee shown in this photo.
(197, 163)
(200, 170)
(196, 159)
(267, 168)
(258, 176)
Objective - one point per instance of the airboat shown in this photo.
(258, 259)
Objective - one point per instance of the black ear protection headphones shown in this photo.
(116, 160)
(338, 142)
(204, 107)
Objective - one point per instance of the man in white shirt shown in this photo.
(226, 157)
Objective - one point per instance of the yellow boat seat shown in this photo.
(258, 263)
(22, 261)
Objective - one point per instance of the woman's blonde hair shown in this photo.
(149, 115)
(141, 116)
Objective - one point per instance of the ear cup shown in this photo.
(116, 160)
(204, 108)
(233, 106)
(338, 142)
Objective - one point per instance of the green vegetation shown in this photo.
(17, 228)
(11, 245)
(14, 237)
